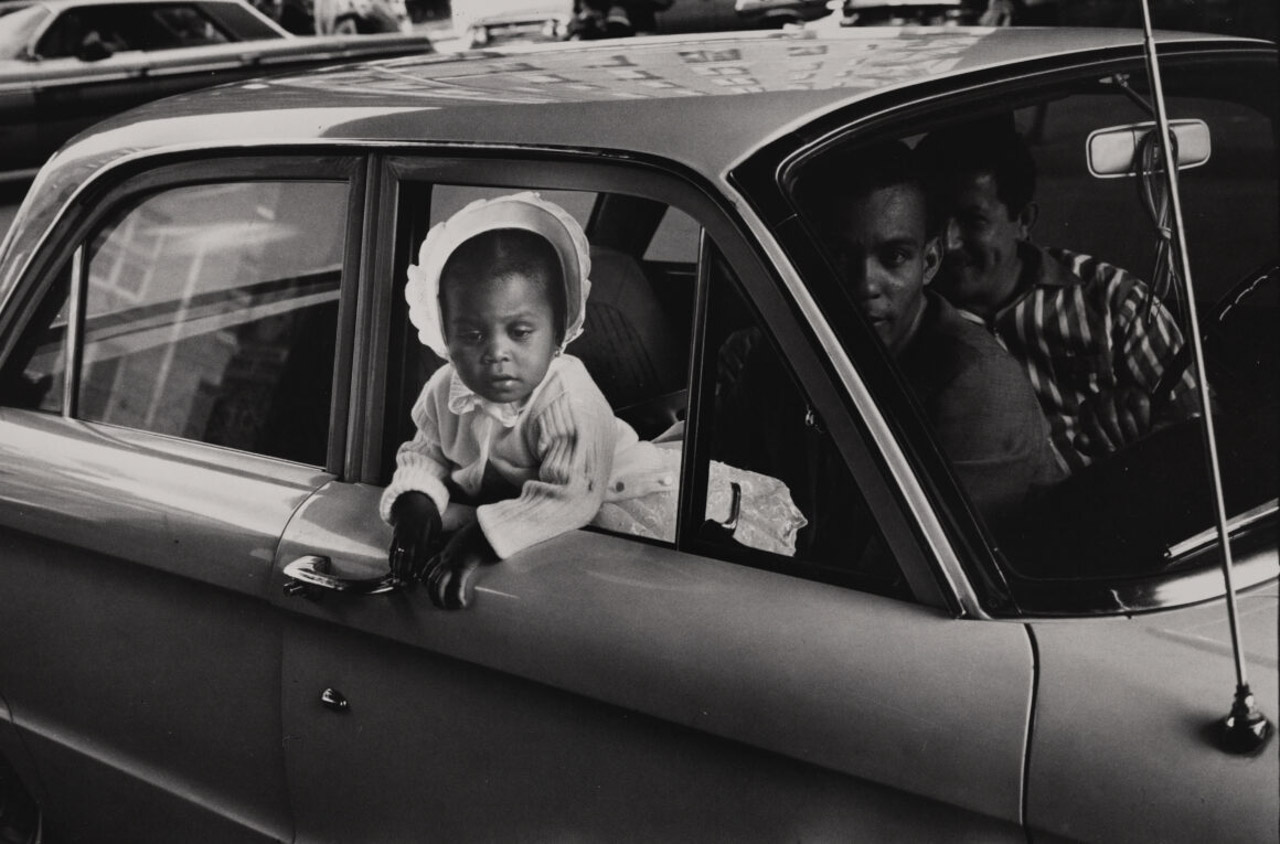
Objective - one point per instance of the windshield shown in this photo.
(17, 27)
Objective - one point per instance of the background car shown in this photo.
(345, 17)
(909, 12)
(206, 368)
(65, 64)
(479, 22)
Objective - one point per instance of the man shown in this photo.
(885, 239)
(1090, 336)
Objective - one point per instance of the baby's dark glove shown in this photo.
(416, 521)
(450, 575)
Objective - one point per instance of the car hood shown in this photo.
(1132, 704)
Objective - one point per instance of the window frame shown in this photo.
(78, 224)
(395, 244)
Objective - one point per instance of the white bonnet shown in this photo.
(526, 210)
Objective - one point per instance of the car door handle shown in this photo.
(309, 573)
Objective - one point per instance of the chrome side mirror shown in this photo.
(1112, 151)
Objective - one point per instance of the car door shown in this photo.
(611, 687)
(166, 407)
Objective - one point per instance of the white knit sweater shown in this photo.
(558, 448)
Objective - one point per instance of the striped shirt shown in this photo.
(1078, 329)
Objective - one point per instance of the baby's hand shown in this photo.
(416, 522)
(450, 575)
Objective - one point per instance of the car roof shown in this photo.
(704, 101)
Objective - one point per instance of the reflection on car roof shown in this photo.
(672, 96)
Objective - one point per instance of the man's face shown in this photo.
(981, 266)
(501, 334)
(885, 257)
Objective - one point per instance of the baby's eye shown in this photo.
(470, 336)
(521, 332)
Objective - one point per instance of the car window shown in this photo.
(633, 342)
(210, 313)
(776, 481)
(1097, 314)
(131, 27)
(774, 492)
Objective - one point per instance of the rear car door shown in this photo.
(167, 390)
(607, 686)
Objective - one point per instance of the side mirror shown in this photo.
(1111, 151)
(94, 49)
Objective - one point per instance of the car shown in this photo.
(481, 22)
(65, 64)
(347, 17)
(207, 366)
(908, 12)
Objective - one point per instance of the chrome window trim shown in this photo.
(74, 338)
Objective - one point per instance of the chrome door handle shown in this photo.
(311, 572)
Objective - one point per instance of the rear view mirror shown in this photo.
(1111, 151)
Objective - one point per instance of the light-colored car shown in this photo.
(65, 64)
(482, 22)
(206, 367)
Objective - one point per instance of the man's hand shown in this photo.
(1114, 419)
(450, 575)
(416, 521)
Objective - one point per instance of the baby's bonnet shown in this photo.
(526, 210)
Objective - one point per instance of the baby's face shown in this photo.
(501, 335)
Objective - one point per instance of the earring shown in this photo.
(556, 353)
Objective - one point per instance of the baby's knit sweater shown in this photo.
(559, 452)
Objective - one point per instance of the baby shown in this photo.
(512, 424)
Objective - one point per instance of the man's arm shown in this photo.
(1145, 340)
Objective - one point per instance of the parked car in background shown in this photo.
(207, 366)
(909, 12)
(65, 64)
(480, 22)
(344, 17)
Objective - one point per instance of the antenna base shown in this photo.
(1245, 730)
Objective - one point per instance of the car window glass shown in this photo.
(211, 313)
(34, 374)
(130, 27)
(676, 238)
(186, 26)
(778, 492)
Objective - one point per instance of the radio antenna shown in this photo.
(1245, 729)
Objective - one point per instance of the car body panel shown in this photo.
(1160, 730)
(146, 585)
(684, 643)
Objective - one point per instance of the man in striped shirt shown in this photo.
(1091, 337)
